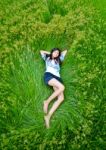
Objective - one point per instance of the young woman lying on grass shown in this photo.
(52, 78)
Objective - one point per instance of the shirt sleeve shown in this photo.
(62, 56)
(43, 55)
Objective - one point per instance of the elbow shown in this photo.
(40, 51)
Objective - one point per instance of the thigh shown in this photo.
(55, 82)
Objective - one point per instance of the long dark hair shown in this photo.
(57, 59)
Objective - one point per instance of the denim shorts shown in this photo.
(48, 76)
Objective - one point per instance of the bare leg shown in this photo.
(53, 109)
(60, 88)
(54, 94)
(46, 102)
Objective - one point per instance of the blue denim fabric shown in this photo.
(48, 76)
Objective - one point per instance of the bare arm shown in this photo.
(44, 52)
(64, 52)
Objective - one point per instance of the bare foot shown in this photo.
(45, 107)
(46, 118)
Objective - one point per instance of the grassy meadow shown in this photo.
(28, 26)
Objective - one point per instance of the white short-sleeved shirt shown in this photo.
(51, 66)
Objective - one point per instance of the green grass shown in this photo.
(26, 28)
(101, 6)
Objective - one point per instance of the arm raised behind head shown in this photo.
(44, 52)
(62, 56)
(64, 52)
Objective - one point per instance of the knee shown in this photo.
(62, 99)
(62, 88)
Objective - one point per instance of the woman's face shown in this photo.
(55, 54)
